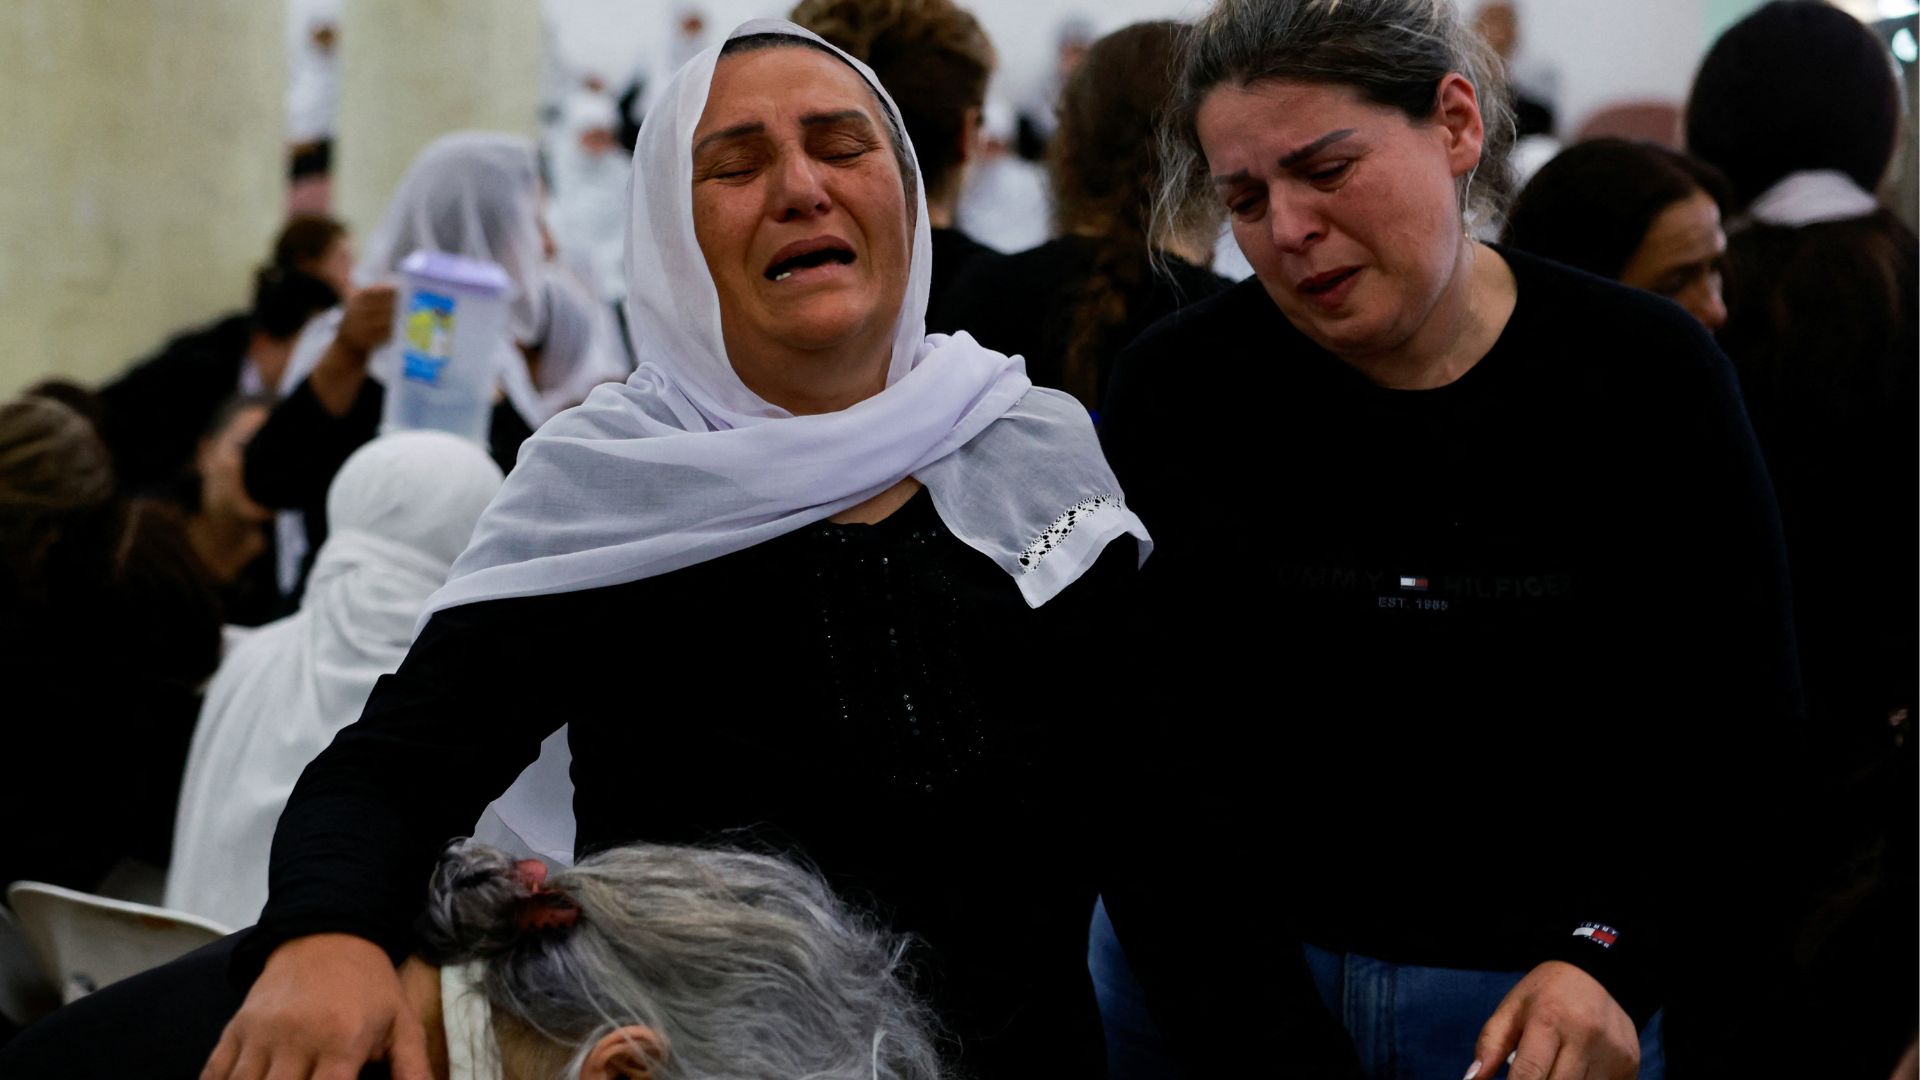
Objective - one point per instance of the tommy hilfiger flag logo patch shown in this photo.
(1598, 933)
(1414, 584)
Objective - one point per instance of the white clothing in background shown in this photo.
(313, 74)
(1006, 203)
(1812, 197)
(588, 205)
(402, 507)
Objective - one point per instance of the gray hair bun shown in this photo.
(477, 905)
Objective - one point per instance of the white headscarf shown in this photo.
(402, 508)
(683, 463)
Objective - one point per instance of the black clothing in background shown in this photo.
(953, 251)
(295, 454)
(1025, 303)
(1477, 662)
(1823, 327)
(102, 672)
(158, 411)
(875, 700)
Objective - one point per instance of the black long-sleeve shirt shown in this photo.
(1472, 658)
(878, 700)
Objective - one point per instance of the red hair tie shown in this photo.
(542, 908)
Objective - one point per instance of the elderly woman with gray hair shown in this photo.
(641, 961)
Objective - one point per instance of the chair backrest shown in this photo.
(86, 942)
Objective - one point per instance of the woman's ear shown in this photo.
(1457, 110)
(629, 1053)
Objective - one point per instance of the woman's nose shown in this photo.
(1703, 302)
(799, 188)
(1293, 227)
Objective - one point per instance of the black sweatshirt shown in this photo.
(877, 700)
(1472, 659)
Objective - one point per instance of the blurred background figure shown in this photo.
(1636, 212)
(1798, 105)
(108, 627)
(231, 534)
(1533, 88)
(1038, 114)
(588, 206)
(934, 59)
(313, 100)
(401, 509)
(475, 194)
(1070, 305)
(156, 413)
(1004, 203)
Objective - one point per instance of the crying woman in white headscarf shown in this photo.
(821, 582)
(475, 194)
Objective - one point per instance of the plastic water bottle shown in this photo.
(450, 329)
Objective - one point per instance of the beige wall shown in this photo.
(411, 70)
(142, 174)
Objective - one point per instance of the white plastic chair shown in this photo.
(86, 942)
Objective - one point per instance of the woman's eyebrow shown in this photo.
(841, 116)
(751, 127)
(1295, 157)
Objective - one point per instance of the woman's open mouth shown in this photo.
(1321, 284)
(1328, 290)
(796, 259)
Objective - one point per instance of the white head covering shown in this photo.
(402, 508)
(473, 193)
(683, 463)
(581, 349)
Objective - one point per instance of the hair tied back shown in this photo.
(543, 907)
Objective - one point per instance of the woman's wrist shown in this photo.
(337, 378)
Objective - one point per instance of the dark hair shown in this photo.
(930, 55)
(283, 300)
(305, 239)
(1796, 85)
(1394, 53)
(903, 153)
(56, 481)
(1105, 169)
(1591, 206)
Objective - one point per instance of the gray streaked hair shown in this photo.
(1392, 52)
(747, 967)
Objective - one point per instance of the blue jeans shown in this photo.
(1135, 1050)
(1420, 1023)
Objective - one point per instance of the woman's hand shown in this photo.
(1560, 1024)
(325, 1006)
(365, 324)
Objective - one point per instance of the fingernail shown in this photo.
(1511, 1056)
(1473, 1070)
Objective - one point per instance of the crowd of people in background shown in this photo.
(1478, 629)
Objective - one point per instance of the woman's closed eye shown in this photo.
(1328, 172)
